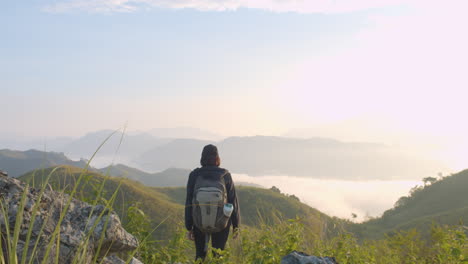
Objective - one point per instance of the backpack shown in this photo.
(209, 198)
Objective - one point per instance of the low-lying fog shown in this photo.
(336, 197)
(333, 197)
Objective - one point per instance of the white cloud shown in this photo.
(338, 198)
(93, 6)
(299, 6)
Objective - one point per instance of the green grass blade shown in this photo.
(146, 238)
(57, 251)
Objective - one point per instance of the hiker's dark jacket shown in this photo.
(230, 191)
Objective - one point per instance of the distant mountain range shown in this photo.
(258, 155)
(315, 157)
(129, 146)
(17, 163)
(124, 146)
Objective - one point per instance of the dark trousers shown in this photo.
(218, 241)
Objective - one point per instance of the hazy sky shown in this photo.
(387, 71)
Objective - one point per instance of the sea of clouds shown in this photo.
(336, 197)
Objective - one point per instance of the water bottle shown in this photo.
(227, 209)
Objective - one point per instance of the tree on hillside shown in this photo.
(401, 202)
(416, 189)
(275, 189)
(429, 180)
(294, 197)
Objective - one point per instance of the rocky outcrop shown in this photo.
(302, 258)
(83, 229)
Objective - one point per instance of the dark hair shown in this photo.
(210, 156)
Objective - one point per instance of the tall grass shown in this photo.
(267, 243)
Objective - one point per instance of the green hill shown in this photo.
(17, 163)
(167, 178)
(444, 201)
(123, 171)
(267, 205)
(166, 204)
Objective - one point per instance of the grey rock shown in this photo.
(302, 258)
(3, 173)
(113, 259)
(81, 222)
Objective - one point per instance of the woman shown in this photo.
(210, 169)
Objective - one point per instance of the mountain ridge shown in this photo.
(313, 157)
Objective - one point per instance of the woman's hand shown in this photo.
(190, 235)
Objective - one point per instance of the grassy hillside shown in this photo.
(166, 204)
(123, 171)
(167, 178)
(265, 205)
(444, 201)
(157, 206)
